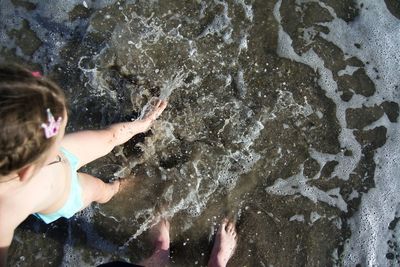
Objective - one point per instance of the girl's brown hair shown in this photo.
(24, 100)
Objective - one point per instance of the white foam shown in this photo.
(228, 80)
(370, 233)
(248, 9)
(349, 70)
(378, 32)
(337, 222)
(240, 83)
(297, 217)
(193, 49)
(315, 216)
(220, 26)
(287, 104)
(243, 43)
(297, 184)
(326, 82)
(309, 35)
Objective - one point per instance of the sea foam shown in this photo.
(378, 32)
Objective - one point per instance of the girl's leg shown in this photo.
(94, 189)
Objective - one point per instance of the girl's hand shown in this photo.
(157, 106)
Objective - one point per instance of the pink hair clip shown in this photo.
(36, 74)
(51, 129)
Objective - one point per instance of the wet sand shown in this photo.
(249, 133)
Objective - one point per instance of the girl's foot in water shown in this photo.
(111, 189)
(224, 244)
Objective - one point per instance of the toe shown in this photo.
(224, 223)
(230, 227)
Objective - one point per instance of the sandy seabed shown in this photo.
(282, 115)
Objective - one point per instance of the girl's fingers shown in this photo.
(162, 105)
(158, 107)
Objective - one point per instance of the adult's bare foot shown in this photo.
(160, 239)
(224, 244)
(160, 235)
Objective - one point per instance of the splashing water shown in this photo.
(167, 88)
(283, 115)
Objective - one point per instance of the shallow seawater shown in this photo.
(282, 115)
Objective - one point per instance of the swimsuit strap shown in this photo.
(58, 160)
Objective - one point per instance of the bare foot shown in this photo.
(224, 244)
(115, 186)
(160, 235)
(111, 189)
(160, 238)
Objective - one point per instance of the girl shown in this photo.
(38, 163)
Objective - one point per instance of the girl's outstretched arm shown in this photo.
(90, 145)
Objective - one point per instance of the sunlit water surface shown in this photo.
(282, 116)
